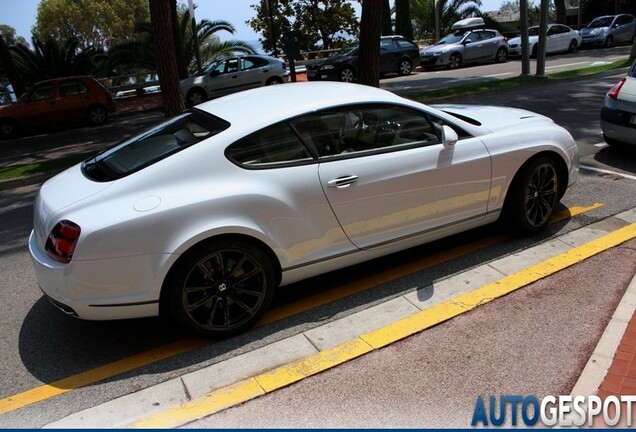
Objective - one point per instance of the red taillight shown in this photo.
(614, 91)
(61, 242)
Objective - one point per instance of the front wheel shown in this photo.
(534, 195)
(405, 67)
(195, 97)
(221, 288)
(274, 81)
(454, 61)
(347, 75)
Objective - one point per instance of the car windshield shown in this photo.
(153, 145)
(209, 68)
(451, 38)
(600, 22)
(347, 51)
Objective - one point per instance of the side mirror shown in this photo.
(449, 137)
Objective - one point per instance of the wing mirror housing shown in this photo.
(449, 137)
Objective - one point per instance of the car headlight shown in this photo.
(327, 67)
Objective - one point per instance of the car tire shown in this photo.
(273, 81)
(97, 115)
(221, 287)
(454, 61)
(535, 50)
(573, 46)
(501, 56)
(195, 97)
(347, 75)
(405, 67)
(609, 42)
(8, 129)
(533, 195)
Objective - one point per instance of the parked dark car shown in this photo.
(397, 55)
(609, 30)
(57, 101)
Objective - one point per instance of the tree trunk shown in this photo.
(9, 67)
(182, 65)
(165, 53)
(403, 25)
(370, 24)
(561, 16)
(387, 29)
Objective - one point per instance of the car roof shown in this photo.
(271, 104)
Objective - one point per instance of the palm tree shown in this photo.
(138, 55)
(49, 59)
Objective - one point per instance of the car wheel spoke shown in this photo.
(541, 195)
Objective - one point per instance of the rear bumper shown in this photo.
(619, 125)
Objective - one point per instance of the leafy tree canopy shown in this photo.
(8, 33)
(92, 23)
(316, 24)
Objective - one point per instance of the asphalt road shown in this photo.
(42, 346)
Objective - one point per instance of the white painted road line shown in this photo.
(604, 171)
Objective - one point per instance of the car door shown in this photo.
(388, 176)
(490, 44)
(74, 99)
(557, 39)
(623, 28)
(254, 72)
(473, 47)
(389, 56)
(39, 105)
(224, 79)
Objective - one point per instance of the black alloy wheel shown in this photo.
(221, 288)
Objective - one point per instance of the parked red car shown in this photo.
(57, 101)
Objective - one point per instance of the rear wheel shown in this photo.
(8, 129)
(501, 56)
(534, 195)
(455, 61)
(221, 288)
(97, 115)
(274, 81)
(195, 97)
(573, 46)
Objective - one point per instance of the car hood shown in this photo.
(195, 80)
(436, 48)
(494, 118)
(593, 31)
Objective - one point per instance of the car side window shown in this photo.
(386, 44)
(231, 66)
(43, 92)
(366, 129)
(252, 63)
(274, 145)
(472, 37)
(72, 88)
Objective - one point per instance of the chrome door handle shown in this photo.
(343, 182)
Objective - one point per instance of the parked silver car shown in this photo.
(618, 113)
(466, 44)
(233, 74)
(609, 30)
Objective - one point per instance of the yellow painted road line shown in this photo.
(285, 375)
(110, 370)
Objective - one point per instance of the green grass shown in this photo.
(515, 82)
(40, 167)
(68, 161)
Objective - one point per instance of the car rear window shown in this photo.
(153, 145)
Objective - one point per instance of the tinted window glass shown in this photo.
(43, 92)
(277, 144)
(153, 145)
(72, 88)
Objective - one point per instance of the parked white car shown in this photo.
(233, 74)
(560, 38)
(618, 113)
(204, 215)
